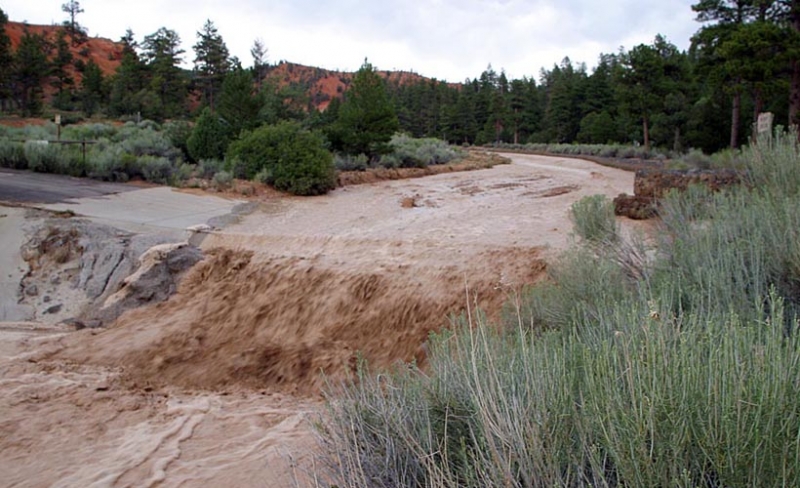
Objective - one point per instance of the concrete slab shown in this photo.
(30, 187)
(150, 209)
(12, 266)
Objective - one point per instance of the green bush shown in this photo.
(420, 153)
(39, 155)
(12, 154)
(156, 169)
(209, 138)
(178, 132)
(293, 159)
(346, 162)
(222, 180)
(593, 219)
(88, 132)
(209, 167)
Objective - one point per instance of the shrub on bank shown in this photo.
(676, 365)
(408, 152)
(292, 159)
(593, 219)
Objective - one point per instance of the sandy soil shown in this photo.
(215, 386)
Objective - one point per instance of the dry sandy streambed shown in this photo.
(215, 386)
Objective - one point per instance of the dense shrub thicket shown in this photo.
(674, 364)
(286, 156)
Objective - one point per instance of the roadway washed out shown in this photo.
(216, 382)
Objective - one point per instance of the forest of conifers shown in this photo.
(744, 59)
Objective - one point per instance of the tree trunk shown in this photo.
(758, 104)
(736, 113)
(794, 95)
(758, 107)
(794, 90)
(646, 130)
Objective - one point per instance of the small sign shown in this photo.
(765, 122)
(58, 119)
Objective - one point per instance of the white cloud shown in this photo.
(447, 39)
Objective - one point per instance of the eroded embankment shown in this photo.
(278, 322)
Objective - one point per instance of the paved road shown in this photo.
(28, 187)
(132, 208)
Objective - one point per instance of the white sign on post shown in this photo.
(765, 123)
(58, 119)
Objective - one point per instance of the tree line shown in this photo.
(743, 60)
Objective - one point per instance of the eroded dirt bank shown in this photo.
(214, 385)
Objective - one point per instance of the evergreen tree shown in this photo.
(6, 63)
(30, 71)
(61, 79)
(563, 86)
(791, 9)
(210, 137)
(723, 18)
(239, 105)
(211, 62)
(73, 9)
(162, 55)
(367, 118)
(92, 92)
(260, 62)
(647, 77)
(129, 81)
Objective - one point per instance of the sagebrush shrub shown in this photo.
(593, 219)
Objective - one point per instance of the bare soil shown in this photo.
(216, 385)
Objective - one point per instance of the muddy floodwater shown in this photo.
(216, 385)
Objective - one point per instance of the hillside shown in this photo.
(321, 85)
(324, 85)
(104, 52)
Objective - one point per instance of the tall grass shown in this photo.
(672, 366)
(649, 402)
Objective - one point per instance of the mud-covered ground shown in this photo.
(216, 385)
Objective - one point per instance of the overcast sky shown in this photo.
(446, 39)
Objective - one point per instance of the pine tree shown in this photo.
(162, 55)
(646, 78)
(30, 71)
(239, 105)
(723, 18)
(367, 118)
(92, 88)
(211, 62)
(260, 62)
(129, 80)
(6, 63)
(73, 9)
(563, 86)
(61, 79)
